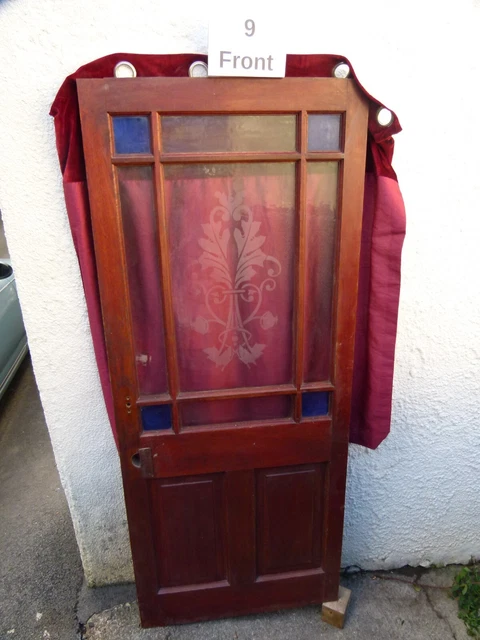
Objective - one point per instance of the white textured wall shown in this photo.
(414, 500)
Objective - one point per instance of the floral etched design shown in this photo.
(236, 272)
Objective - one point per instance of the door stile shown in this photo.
(348, 257)
(115, 302)
(140, 526)
(169, 319)
(111, 268)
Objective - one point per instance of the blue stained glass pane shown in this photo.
(315, 403)
(324, 132)
(131, 134)
(157, 417)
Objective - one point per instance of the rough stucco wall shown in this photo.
(415, 500)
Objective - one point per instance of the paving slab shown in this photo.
(444, 607)
(380, 608)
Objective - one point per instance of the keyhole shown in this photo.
(136, 460)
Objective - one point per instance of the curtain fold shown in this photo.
(382, 239)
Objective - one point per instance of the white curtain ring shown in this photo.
(198, 69)
(341, 70)
(124, 69)
(384, 117)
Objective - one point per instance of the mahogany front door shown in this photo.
(227, 217)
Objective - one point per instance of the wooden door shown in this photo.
(227, 218)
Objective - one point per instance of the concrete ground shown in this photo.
(40, 568)
(42, 595)
(381, 608)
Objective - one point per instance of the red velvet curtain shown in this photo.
(243, 336)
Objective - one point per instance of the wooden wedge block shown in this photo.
(334, 612)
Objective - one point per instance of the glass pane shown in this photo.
(142, 255)
(320, 263)
(232, 242)
(131, 134)
(237, 410)
(195, 134)
(324, 132)
(315, 404)
(156, 417)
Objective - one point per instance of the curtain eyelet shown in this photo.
(198, 69)
(125, 69)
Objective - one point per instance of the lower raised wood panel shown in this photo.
(237, 528)
(289, 518)
(188, 529)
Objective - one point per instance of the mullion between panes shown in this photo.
(336, 262)
(169, 319)
(300, 269)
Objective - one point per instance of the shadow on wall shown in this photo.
(3, 243)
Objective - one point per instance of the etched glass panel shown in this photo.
(324, 132)
(232, 243)
(322, 178)
(235, 410)
(315, 404)
(131, 134)
(156, 417)
(141, 252)
(203, 134)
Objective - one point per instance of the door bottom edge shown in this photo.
(166, 620)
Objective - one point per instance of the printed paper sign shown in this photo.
(246, 44)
